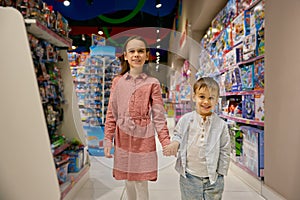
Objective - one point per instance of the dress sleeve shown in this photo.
(110, 120)
(158, 115)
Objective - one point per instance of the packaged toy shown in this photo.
(259, 74)
(259, 107)
(253, 150)
(230, 59)
(249, 46)
(248, 106)
(247, 72)
(62, 172)
(236, 80)
(243, 5)
(235, 107)
(260, 47)
(236, 137)
(247, 22)
(227, 82)
(238, 30)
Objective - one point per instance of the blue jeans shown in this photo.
(196, 188)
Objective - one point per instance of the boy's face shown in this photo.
(205, 101)
(136, 53)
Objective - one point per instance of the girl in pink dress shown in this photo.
(135, 112)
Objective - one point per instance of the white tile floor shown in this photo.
(102, 186)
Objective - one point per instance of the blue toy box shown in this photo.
(253, 150)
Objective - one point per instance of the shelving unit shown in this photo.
(36, 28)
(25, 140)
(236, 61)
(92, 80)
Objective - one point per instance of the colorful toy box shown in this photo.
(238, 30)
(248, 106)
(247, 72)
(249, 46)
(62, 172)
(259, 107)
(75, 160)
(253, 150)
(236, 80)
(259, 74)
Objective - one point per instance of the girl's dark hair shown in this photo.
(124, 63)
(206, 82)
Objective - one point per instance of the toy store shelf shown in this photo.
(60, 149)
(243, 92)
(246, 169)
(72, 179)
(236, 65)
(251, 60)
(253, 4)
(242, 120)
(41, 31)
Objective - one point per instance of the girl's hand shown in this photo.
(171, 149)
(107, 152)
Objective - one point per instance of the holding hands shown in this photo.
(171, 149)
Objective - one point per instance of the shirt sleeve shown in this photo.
(110, 120)
(224, 151)
(178, 130)
(158, 115)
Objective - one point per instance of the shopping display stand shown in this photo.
(27, 167)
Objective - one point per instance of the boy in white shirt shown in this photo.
(203, 141)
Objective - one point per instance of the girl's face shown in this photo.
(136, 53)
(205, 101)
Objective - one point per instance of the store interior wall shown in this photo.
(199, 15)
(282, 97)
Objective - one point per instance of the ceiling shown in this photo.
(86, 17)
(118, 18)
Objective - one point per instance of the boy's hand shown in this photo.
(171, 149)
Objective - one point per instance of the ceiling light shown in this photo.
(83, 37)
(158, 46)
(157, 40)
(74, 47)
(67, 2)
(100, 32)
(157, 31)
(158, 4)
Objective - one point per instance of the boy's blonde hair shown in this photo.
(208, 83)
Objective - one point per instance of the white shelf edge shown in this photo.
(39, 30)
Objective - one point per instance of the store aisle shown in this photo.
(102, 186)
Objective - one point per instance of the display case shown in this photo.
(26, 125)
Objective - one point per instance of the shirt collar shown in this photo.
(200, 118)
(127, 76)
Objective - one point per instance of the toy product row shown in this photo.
(37, 9)
(235, 42)
(92, 77)
(67, 155)
(247, 148)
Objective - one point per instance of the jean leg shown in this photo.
(214, 191)
(191, 187)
